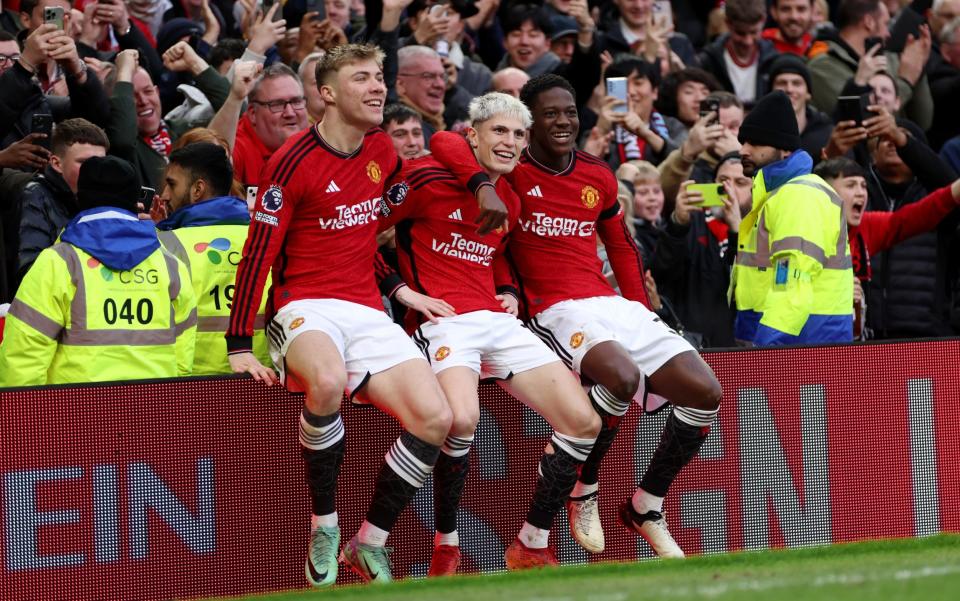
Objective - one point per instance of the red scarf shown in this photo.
(160, 142)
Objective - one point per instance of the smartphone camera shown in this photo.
(709, 105)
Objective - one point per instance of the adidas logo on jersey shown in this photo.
(455, 215)
(333, 187)
(535, 191)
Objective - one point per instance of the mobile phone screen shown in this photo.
(617, 87)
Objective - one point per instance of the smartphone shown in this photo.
(709, 105)
(871, 42)
(146, 198)
(853, 108)
(267, 4)
(663, 13)
(908, 23)
(54, 14)
(42, 124)
(617, 87)
(319, 7)
(713, 194)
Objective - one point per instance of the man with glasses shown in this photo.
(421, 85)
(9, 51)
(277, 109)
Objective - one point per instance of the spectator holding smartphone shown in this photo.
(848, 64)
(695, 253)
(47, 51)
(49, 201)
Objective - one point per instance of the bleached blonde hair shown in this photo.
(497, 103)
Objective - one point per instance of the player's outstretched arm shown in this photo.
(432, 308)
(248, 363)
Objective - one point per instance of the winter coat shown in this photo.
(47, 205)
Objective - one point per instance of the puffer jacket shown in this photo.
(47, 205)
(910, 293)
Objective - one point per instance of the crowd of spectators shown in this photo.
(138, 79)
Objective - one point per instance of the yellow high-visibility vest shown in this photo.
(76, 320)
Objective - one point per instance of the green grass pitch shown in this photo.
(922, 569)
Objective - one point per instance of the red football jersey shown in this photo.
(553, 249)
(440, 253)
(315, 224)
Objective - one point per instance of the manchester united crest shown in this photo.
(373, 172)
(589, 197)
(577, 339)
(296, 323)
(442, 353)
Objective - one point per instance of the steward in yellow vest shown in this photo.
(207, 230)
(104, 303)
(793, 276)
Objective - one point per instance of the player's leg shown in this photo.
(459, 385)
(553, 392)
(316, 364)
(579, 333)
(692, 388)
(615, 378)
(410, 392)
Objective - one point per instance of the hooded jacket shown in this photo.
(106, 303)
(793, 277)
(208, 238)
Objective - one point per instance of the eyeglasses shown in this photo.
(277, 106)
(427, 77)
(9, 58)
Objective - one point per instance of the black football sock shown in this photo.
(611, 411)
(323, 442)
(557, 475)
(449, 478)
(683, 435)
(406, 466)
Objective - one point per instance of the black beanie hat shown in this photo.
(772, 123)
(790, 63)
(108, 182)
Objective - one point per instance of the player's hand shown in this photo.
(493, 212)
(509, 303)
(857, 292)
(432, 308)
(247, 363)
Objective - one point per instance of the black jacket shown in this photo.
(12, 182)
(711, 60)
(816, 134)
(945, 89)
(47, 205)
(690, 270)
(910, 294)
(21, 98)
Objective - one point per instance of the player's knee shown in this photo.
(706, 393)
(464, 422)
(324, 390)
(587, 424)
(435, 425)
(625, 382)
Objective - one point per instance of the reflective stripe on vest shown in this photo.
(761, 257)
(78, 334)
(213, 323)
